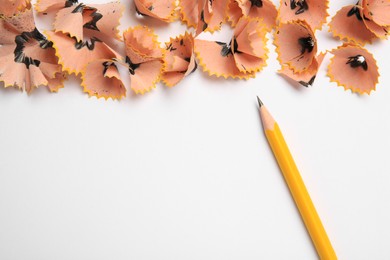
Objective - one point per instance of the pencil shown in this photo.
(295, 184)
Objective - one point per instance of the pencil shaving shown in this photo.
(43, 6)
(101, 78)
(377, 10)
(179, 59)
(74, 55)
(296, 45)
(263, 9)
(108, 23)
(380, 32)
(12, 7)
(313, 12)
(163, 10)
(354, 68)
(307, 77)
(211, 15)
(242, 57)
(188, 10)
(27, 59)
(145, 59)
(348, 25)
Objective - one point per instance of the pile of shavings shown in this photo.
(84, 41)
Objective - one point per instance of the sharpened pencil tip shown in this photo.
(260, 103)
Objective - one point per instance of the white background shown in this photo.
(186, 173)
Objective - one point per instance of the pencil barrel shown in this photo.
(299, 192)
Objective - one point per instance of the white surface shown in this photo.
(186, 173)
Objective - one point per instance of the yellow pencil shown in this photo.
(297, 187)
